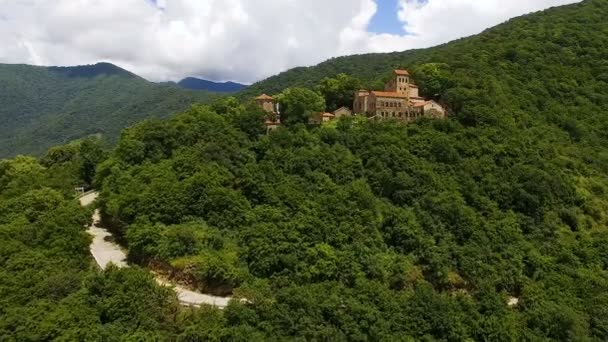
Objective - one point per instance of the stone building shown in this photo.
(342, 111)
(319, 118)
(400, 100)
(271, 107)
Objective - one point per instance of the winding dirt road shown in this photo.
(106, 252)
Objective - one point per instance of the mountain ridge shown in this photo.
(194, 83)
(45, 106)
(375, 74)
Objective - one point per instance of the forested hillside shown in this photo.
(490, 225)
(523, 52)
(384, 231)
(41, 107)
(50, 289)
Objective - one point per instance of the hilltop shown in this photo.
(194, 83)
(518, 56)
(45, 106)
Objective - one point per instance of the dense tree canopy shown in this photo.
(49, 289)
(365, 230)
(299, 104)
(41, 107)
(339, 91)
(384, 231)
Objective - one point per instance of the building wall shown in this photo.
(388, 107)
(343, 112)
(266, 105)
(361, 103)
(414, 92)
(398, 84)
(433, 109)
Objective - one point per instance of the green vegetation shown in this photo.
(299, 104)
(339, 91)
(360, 230)
(49, 289)
(41, 107)
(385, 231)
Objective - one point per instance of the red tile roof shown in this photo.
(389, 94)
(402, 72)
(328, 115)
(264, 97)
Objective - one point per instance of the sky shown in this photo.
(238, 40)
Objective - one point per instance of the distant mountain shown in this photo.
(91, 71)
(45, 106)
(193, 83)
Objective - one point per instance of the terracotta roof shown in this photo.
(328, 115)
(264, 97)
(388, 94)
(402, 72)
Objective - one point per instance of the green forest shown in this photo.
(362, 230)
(45, 106)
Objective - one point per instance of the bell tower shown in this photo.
(402, 82)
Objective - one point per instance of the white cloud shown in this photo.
(242, 40)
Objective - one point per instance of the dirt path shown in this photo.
(106, 252)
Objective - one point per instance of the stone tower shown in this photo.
(400, 83)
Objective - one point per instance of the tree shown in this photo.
(92, 153)
(432, 78)
(250, 120)
(339, 91)
(227, 105)
(298, 104)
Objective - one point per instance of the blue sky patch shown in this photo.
(386, 20)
